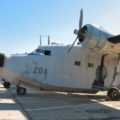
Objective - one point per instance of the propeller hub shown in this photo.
(76, 31)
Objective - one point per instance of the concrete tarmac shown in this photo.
(37, 105)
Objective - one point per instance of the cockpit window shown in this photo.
(40, 51)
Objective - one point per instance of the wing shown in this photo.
(114, 39)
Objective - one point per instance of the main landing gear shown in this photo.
(21, 90)
(6, 84)
(114, 94)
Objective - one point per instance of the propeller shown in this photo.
(78, 32)
(81, 19)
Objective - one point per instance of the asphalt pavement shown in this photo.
(38, 105)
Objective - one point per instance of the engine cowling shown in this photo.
(96, 39)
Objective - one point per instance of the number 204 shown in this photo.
(39, 70)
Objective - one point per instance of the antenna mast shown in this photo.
(40, 41)
(48, 40)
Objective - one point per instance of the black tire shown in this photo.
(114, 94)
(21, 91)
(6, 84)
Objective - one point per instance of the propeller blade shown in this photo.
(73, 44)
(81, 19)
(78, 32)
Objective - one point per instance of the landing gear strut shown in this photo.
(6, 84)
(21, 91)
(114, 94)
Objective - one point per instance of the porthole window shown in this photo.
(78, 63)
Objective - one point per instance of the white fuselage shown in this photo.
(57, 69)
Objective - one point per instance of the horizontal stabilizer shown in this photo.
(114, 39)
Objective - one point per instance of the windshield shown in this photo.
(41, 52)
(37, 51)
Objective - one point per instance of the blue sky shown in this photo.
(22, 21)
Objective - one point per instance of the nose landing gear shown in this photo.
(21, 90)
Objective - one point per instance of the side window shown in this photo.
(47, 52)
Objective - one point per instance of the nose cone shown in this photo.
(2, 59)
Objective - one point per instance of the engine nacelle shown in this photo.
(95, 38)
